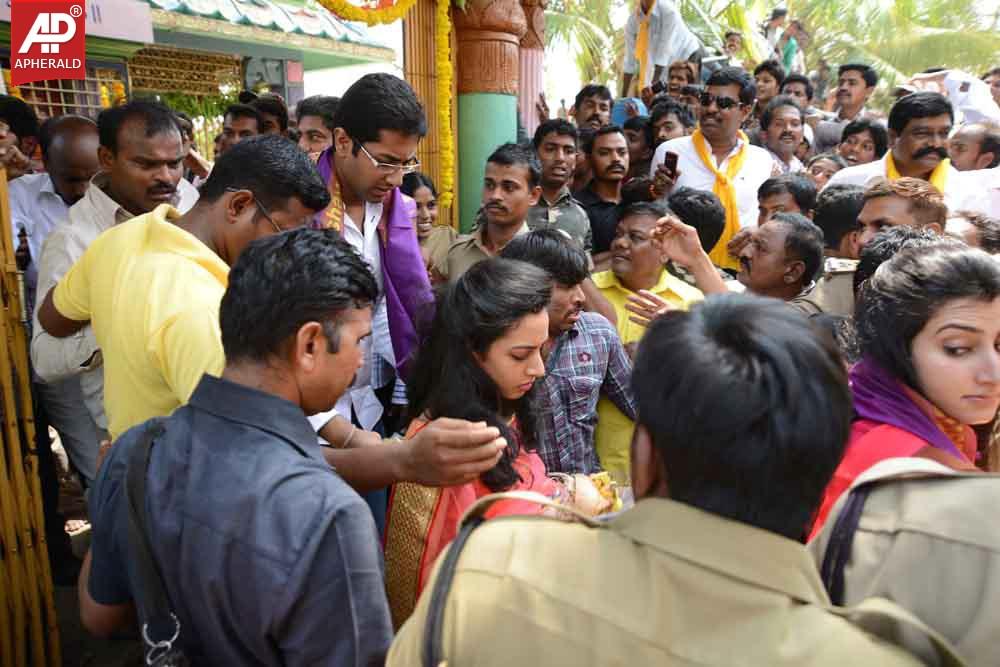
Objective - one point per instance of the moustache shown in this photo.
(787, 135)
(931, 150)
(162, 189)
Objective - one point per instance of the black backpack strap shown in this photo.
(152, 601)
(434, 632)
(475, 516)
(838, 549)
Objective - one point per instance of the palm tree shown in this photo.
(586, 24)
(898, 38)
(902, 39)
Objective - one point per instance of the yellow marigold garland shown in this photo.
(442, 62)
(351, 12)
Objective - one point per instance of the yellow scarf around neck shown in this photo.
(642, 48)
(939, 177)
(725, 189)
(333, 217)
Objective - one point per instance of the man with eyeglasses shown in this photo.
(378, 125)
(718, 157)
(150, 287)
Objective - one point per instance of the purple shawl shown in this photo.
(879, 397)
(404, 276)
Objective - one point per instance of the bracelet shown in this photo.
(350, 436)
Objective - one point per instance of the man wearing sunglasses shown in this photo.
(718, 158)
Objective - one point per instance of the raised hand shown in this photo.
(646, 307)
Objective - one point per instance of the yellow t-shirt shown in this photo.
(151, 292)
(613, 435)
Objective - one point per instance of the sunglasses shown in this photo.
(724, 103)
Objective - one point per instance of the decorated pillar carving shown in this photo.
(532, 52)
(488, 35)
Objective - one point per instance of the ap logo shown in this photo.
(50, 30)
(49, 36)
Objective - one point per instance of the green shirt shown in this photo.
(565, 214)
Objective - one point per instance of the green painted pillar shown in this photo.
(485, 120)
(488, 33)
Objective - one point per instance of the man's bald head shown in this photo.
(69, 150)
(975, 146)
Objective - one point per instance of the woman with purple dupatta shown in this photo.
(928, 327)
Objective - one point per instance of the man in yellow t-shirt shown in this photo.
(636, 264)
(151, 287)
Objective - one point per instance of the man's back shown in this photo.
(923, 541)
(151, 292)
(664, 584)
(267, 555)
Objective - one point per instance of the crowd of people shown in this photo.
(714, 386)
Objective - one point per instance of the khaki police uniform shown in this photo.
(662, 584)
(436, 247)
(469, 249)
(928, 539)
(834, 292)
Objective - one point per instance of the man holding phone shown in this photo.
(718, 157)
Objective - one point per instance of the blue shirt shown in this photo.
(267, 555)
(587, 362)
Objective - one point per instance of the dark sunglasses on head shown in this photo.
(723, 103)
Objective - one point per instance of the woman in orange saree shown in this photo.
(478, 361)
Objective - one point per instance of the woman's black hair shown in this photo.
(905, 292)
(447, 380)
(416, 180)
(880, 135)
(831, 157)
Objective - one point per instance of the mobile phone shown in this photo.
(670, 162)
(658, 87)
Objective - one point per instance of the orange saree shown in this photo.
(421, 521)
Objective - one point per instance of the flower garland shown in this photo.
(351, 12)
(442, 63)
(443, 69)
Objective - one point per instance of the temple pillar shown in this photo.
(488, 33)
(532, 54)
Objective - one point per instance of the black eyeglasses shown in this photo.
(388, 168)
(723, 103)
(263, 210)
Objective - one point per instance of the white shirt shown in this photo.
(361, 394)
(959, 188)
(37, 207)
(984, 186)
(669, 39)
(793, 167)
(757, 168)
(58, 358)
(971, 98)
